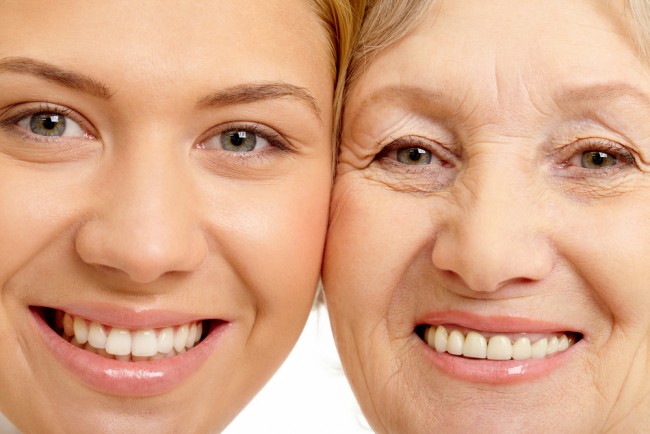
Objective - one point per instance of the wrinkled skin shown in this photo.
(504, 216)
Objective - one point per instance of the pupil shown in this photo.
(598, 158)
(414, 154)
(49, 123)
(237, 139)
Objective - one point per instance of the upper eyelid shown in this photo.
(46, 107)
(274, 138)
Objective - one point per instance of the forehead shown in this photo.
(472, 54)
(169, 41)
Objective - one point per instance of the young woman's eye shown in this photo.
(236, 140)
(413, 156)
(51, 124)
(597, 159)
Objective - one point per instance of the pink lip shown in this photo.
(114, 316)
(133, 379)
(493, 371)
(498, 324)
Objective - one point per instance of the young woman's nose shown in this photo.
(496, 232)
(146, 222)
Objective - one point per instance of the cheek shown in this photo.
(375, 235)
(34, 208)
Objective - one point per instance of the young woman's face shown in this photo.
(494, 182)
(164, 169)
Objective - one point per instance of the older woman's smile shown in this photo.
(487, 254)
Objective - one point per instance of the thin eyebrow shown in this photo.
(55, 74)
(253, 92)
(602, 92)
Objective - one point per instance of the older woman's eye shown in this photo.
(597, 160)
(414, 156)
(236, 140)
(51, 124)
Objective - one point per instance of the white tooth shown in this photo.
(68, 328)
(80, 330)
(199, 331)
(144, 343)
(521, 350)
(97, 335)
(539, 349)
(180, 337)
(441, 339)
(455, 343)
(553, 345)
(119, 342)
(171, 353)
(475, 346)
(499, 348)
(165, 340)
(563, 344)
(191, 336)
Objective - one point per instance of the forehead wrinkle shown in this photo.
(55, 74)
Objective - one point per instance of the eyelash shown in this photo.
(621, 153)
(444, 157)
(11, 123)
(275, 139)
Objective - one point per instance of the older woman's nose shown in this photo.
(145, 222)
(496, 232)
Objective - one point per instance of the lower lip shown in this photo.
(498, 371)
(133, 379)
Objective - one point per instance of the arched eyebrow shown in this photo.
(55, 74)
(253, 92)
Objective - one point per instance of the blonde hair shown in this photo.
(342, 20)
(387, 21)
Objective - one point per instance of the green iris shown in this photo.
(47, 124)
(238, 140)
(414, 156)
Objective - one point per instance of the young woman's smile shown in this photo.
(165, 170)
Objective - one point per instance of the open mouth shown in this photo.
(474, 344)
(126, 344)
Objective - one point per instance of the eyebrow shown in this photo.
(55, 74)
(239, 94)
(603, 92)
(254, 92)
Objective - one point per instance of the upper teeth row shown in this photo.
(118, 341)
(498, 347)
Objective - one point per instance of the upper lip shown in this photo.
(129, 317)
(496, 323)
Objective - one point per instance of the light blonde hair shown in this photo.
(387, 21)
(342, 20)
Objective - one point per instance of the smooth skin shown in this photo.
(138, 206)
(510, 211)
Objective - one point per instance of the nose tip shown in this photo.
(143, 255)
(495, 235)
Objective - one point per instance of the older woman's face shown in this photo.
(493, 199)
(164, 167)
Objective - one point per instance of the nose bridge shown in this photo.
(497, 234)
(146, 223)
